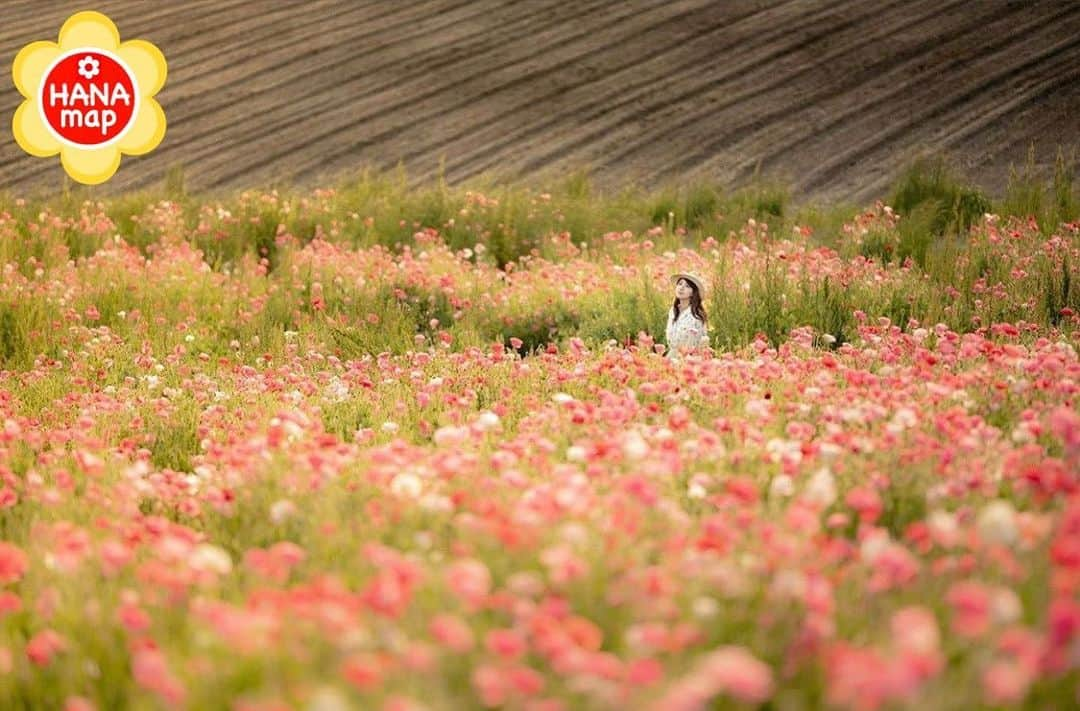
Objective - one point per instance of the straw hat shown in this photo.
(692, 278)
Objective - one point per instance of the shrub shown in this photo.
(946, 203)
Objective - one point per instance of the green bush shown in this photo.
(700, 206)
(946, 204)
(664, 209)
(622, 313)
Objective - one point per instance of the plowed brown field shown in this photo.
(832, 95)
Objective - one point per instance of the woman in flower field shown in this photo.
(686, 324)
(211, 499)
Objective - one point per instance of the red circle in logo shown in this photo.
(88, 98)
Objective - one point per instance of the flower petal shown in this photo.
(90, 166)
(147, 132)
(148, 63)
(89, 29)
(30, 65)
(30, 132)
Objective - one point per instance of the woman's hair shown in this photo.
(695, 302)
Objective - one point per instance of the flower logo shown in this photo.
(89, 97)
(88, 67)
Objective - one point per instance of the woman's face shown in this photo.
(683, 290)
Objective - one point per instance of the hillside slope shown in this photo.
(832, 95)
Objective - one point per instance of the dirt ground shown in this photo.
(833, 96)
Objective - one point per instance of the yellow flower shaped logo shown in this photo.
(89, 97)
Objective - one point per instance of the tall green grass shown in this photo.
(938, 204)
(1049, 201)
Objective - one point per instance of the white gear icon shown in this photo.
(89, 67)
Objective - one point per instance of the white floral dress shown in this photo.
(686, 331)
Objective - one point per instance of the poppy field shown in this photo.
(327, 451)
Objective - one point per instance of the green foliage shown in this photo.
(700, 206)
(1058, 291)
(664, 208)
(830, 310)
(421, 306)
(705, 207)
(944, 203)
(536, 328)
(344, 418)
(1066, 192)
(621, 314)
(25, 333)
(176, 440)
(764, 201)
(125, 212)
(578, 185)
(262, 228)
(392, 333)
(740, 311)
(1030, 196)
(904, 502)
(919, 232)
(12, 337)
(174, 183)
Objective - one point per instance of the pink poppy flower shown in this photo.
(1063, 631)
(893, 567)
(452, 632)
(151, 671)
(859, 679)
(737, 672)
(866, 502)
(971, 608)
(13, 563)
(644, 672)
(1006, 682)
(364, 671)
(43, 646)
(563, 564)
(491, 685)
(387, 595)
(470, 580)
(1065, 424)
(9, 602)
(506, 643)
(525, 681)
(79, 703)
(914, 629)
(133, 618)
